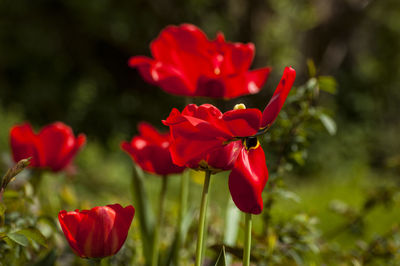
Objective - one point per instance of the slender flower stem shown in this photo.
(161, 203)
(202, 221)
(36, 180)
(247, 240)
(184, 193)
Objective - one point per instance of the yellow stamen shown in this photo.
(239, 106)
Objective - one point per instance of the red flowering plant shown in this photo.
(52, 148)
(99, 232)
(185, 62)
(202, 130)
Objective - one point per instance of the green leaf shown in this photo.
(34, 235)
(187, 221)
(2, 212)
(329, 123)
(221, 261)
(48, 260)
(144, 212)
(232, 219)
(18, 238)
(11, 194)
(327, 84)
(311, 68)
(288, 194)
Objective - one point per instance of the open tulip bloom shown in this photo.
(202, 130)
(187, 63)
(53, 147)
(99, 232)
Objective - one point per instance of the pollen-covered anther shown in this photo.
(239, 106)
(251, 143)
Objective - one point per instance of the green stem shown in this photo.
(202, 221)
(36, 180)
(247, 240)
(184, 193)
(156, 246)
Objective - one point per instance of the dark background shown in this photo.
(67, 60)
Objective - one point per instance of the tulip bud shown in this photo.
(99, 232)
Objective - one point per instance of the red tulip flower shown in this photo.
(202, 130)
(187, 63)
(99, 232)
(53, 147)
(150, 150)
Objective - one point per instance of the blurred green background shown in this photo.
(67, 61)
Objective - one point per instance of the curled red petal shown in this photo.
(247, 180)
(243, 122)
(278, 99)
(144, 65)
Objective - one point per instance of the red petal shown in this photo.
(123, 219)
(94, 230)
(144, 65)
(243, 122)
(198, 130)
(150, 151)
(79, 143)
(247, 180)
(224, 158)
(185, 38)
(237, 57)
(185, 49)
(150, 133)
(278, 99)
(250, 82)
(59, 145)
(69, 222)
(24, 143)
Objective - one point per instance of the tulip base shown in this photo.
(202, 219)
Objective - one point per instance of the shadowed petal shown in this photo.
(247, 180)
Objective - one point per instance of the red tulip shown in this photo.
(99, 232)
(202, 130)
(187, 63)
(53, 147)
(150, 150)
(201, 151)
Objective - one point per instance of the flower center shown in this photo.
(251, 143)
